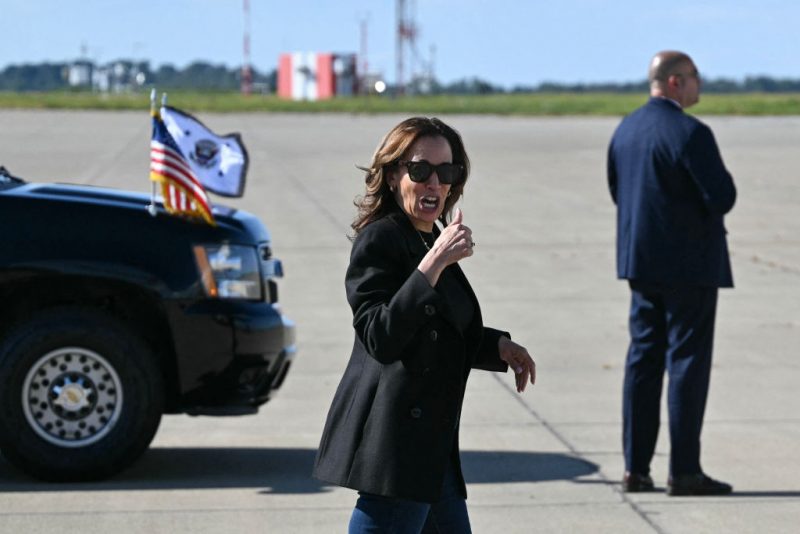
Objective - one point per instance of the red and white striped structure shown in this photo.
(315, 75)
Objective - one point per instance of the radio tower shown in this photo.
(406, 33)
(362, 78)
(247, 74)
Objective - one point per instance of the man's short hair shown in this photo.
(664, 64)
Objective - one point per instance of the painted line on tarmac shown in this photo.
(574, 451)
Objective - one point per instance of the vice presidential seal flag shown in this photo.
(218, 162)
(186, 158)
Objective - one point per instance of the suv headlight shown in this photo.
(229, 271)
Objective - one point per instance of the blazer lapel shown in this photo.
(416, 250)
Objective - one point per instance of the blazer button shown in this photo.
(434, 335)
(430, 309)
(416, 413)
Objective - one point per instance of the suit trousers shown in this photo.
(671, 328)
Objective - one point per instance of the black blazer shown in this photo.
(393, 425)
(672, 190)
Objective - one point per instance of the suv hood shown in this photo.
(232, 224)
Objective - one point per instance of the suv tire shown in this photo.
(76, 380)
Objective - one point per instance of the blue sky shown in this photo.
(507, 42)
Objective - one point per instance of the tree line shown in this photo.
(127, 75)
(750, 84)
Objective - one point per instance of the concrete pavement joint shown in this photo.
(774, 265)
(102, 167)
(318, 204)
(734, 499)
(574, 451)
(83, 513)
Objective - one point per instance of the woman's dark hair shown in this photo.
(379, 200)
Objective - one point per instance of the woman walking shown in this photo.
(392, 429)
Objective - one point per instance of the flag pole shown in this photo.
(151, 208)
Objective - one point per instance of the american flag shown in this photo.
(183, 194)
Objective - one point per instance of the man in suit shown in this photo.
(671, 188)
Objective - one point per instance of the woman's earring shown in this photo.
(449, 193)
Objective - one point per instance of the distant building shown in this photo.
(79, 74)
(118, 77)
(316, 75)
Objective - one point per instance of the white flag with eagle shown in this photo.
(218, 162)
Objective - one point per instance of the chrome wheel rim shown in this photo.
(72, 397)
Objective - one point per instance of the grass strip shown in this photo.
(529, 104)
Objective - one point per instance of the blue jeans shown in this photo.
(375, 514)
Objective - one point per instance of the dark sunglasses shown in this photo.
(420, 171)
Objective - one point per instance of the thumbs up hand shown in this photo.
(457, 217)
(456, 239)
(453, 244)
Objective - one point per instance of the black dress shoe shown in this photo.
(698, 484)
(636, 483)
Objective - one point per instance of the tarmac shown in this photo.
(548, 460)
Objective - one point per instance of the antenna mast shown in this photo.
(363, 88)
(247, 74)
(406, 33)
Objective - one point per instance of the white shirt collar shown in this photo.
(677, 104)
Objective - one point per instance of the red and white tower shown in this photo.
(406, 35)
(247, 73)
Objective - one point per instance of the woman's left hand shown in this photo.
(517, 357)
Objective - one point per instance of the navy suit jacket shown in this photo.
(672, 190)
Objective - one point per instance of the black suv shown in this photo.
(110, 317)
